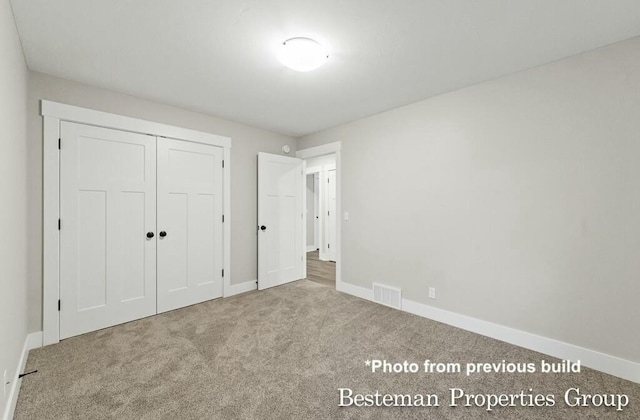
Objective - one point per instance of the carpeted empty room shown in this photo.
(285, 210)
(283, 354)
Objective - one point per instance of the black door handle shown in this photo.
(163, 234)
(263, 227)
(150, 235)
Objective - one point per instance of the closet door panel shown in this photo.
(107, 206)
(175, 215)
(190, 213)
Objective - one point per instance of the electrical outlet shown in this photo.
(432, 293)
(5, 383)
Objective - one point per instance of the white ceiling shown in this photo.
(217, 56)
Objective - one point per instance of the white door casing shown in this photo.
(331, 215)
(309, 212)
(280, 219)
(108, 194)
(190, 237)
(316, 211)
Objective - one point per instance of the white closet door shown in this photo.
(280, 191)
(331, 215)
(189, 223)
(107, 207)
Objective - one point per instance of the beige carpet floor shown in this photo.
(283, 353)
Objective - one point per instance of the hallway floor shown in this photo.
(322, 272)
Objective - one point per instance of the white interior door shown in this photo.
(107, 208)
(331, 215)
(280, 219)
(190, 233)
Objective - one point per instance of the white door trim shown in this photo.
(53, 113)
(317, 225)
(332, 216)
(316, 211)
(323, 255)
(327, 149)
(120, 122)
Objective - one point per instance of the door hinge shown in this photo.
(223, 218)
(59, 143)
(59, 304)
(59, 224)
(328, 246)
(223, 163)
(223, 272)
(328, 213)
(328, 181)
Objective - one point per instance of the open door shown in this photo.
(280, 219)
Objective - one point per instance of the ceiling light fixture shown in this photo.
(302, 54)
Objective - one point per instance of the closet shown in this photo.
(141, 225)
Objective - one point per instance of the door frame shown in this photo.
(53, 114)
(322, 173)
(327, 244)
(316, 211)
(315, 172)
(328, 149)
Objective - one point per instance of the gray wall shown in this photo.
(13, 195)
(518, 199)
(246, 143)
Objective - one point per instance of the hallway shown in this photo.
(322, 272)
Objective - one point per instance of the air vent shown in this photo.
(388, 296)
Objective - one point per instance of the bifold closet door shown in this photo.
(108, 212)
(189, 223)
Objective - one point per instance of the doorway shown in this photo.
(282, 235)
(321, 219)
(321, 272)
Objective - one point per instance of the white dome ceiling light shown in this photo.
(302, 54)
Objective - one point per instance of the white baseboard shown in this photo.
(354, 290)
(311, 248)
(612, 365)
(32, 341)
(236, 289)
